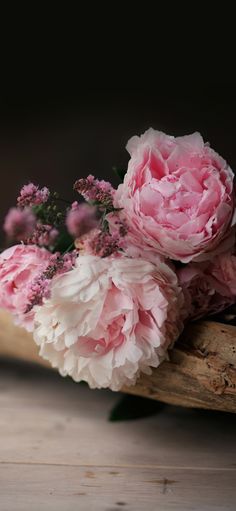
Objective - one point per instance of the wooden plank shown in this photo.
(45, 418)
(59, 452)
(201, 372)
(66, 488)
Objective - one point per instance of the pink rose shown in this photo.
(19, 266)
(177, 196)
(109, 319)
(209, 287)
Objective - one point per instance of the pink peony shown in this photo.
(109, 319)
(223, 273)
(19, 266)
(209, 287)
(177, 196)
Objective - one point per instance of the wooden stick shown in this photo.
(201, 371)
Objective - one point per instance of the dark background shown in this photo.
(52, 138)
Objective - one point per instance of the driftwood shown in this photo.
(201, 372)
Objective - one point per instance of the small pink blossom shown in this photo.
(19, 224)
(43, 235)
(177, 197)
(32, 195)
(69, 260)
(109, 319)
(118, 224)
(105, 244)
(20, 265)
(95, 190)
(81, 219)
(99, 243)
(60, 263)
(40, 286)
(39, 289)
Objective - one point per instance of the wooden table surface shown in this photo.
(59, 452)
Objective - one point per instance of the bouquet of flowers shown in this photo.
(106, 285)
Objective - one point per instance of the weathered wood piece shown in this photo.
(201, 371)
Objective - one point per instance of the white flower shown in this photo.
(109, 319)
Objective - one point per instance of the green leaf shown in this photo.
(120, 173)
(134, 407)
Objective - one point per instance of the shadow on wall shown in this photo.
(53, 143)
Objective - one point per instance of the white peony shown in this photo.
(109, 319)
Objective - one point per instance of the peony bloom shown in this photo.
(223, 273)
(109, 319)
(209, 287)
(19, 266)
(177, 196)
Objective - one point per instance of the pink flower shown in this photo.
(99, 243)
(81, 219)
(223, 272)
(95, 190)
(109, 319)
(43, 235)
(32, 195)
(19, 266)
(209, 287)
(39, 287)
(177, 196)
(19, 224)
(105, 244)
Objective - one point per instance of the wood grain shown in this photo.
(59, 452)
(67, 488)
(200, 373)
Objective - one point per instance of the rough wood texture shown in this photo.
(201, 371)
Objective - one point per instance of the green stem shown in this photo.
(63, 200)
(69, 248)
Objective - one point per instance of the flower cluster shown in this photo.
(40, 286)
(100, 192)
(107, 285)
(19, 224)
(43, 235)
(81, 219)
(31, 195)
(30, 221)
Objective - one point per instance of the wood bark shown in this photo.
(200, 373)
